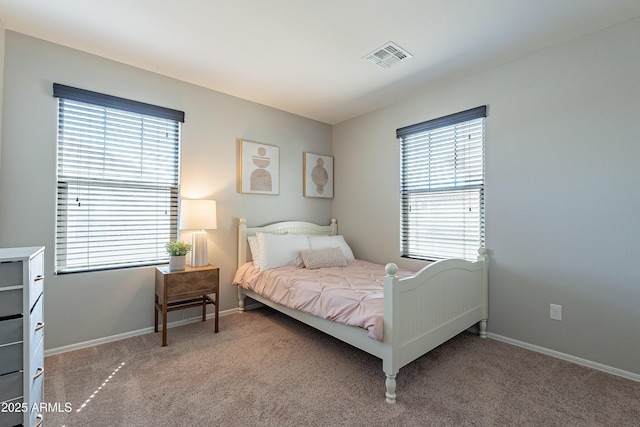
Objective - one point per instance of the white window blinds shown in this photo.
(117, 181)
(442, 186)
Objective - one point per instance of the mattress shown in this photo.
(352, 295)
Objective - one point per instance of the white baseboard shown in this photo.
(143, 331)
(567, 357)
(553, 353)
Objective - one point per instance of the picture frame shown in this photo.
(317, 175)
(259, 168)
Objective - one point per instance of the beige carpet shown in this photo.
(265, 369)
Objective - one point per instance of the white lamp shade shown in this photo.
(198, 215)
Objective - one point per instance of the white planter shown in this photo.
(177, 263)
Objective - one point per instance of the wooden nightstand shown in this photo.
(191, 287)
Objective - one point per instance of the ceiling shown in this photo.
(306, 56)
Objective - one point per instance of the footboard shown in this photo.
(425, 310)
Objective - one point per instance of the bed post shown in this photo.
(242, 257)
(240, 300)
(334, 227)
(390, 312)
(483, 256)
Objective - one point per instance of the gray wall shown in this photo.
(1, 88)
(562, 204)
(89, 306)
(562, 200)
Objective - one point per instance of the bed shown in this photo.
(420, 311)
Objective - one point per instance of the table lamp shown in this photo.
(198, 215)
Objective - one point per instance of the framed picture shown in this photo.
(259, 168)
(318, 175)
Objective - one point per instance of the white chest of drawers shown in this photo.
(21, 336)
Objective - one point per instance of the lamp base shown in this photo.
(199, 255)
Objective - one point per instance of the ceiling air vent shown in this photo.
(388, 55)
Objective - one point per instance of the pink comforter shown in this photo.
(351, 295)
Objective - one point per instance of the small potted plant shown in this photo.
(177, 252)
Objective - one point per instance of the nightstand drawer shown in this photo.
(180, 286)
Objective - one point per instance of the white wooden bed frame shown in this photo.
(420, 312)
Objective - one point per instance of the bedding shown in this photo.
(352, 295)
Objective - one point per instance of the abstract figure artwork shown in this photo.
(259, 168)
(318, 175)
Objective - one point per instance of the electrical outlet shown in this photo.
(555, 311)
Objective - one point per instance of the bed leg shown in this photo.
(240, 301)
(390, 383)
(482, 328)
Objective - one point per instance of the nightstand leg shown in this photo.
(164, 322)
(155, 310)
(204, 308)
(216, 305)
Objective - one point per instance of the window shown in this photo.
(118, 181)
(442, 186)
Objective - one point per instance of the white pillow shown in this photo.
(255, 251)
(324, 242)
(279, 250)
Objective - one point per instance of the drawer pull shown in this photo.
(39, 372)
(40, 419)
(39, 326)
(39, 277)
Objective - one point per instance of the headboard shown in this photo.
(293, 227)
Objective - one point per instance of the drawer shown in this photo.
(14, 417)
(181, 285)
(36, 358)
(36, 278)
(37, 419)
(11, 330)
(37, 323)
(10, 302)
(37, 388)
(37, 368)
(10, 358)
(10, 274)
(10, 386)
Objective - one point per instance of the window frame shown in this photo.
(128, 186)
(436, 230)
